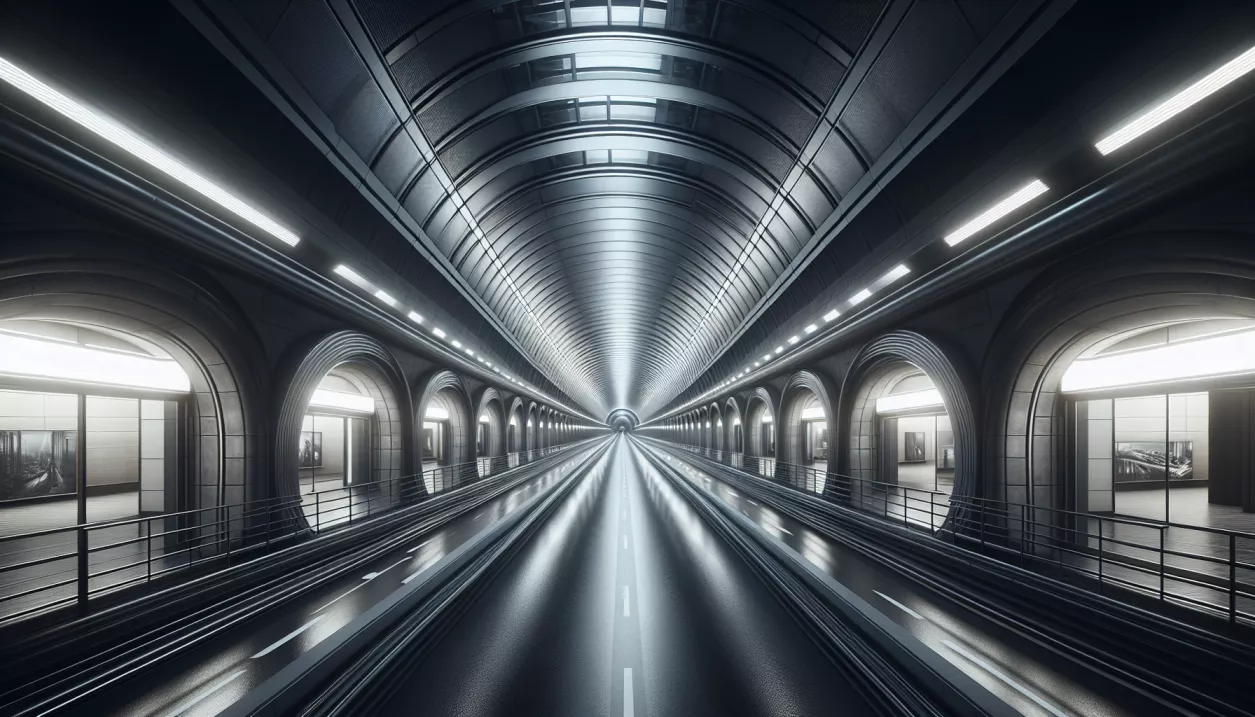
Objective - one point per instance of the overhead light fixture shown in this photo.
(831, 315)
(1222, 355)
(470, 352)
(810, 329)
(757, 364)
(385, 298)
(813, 413)
(456, 344)
(1169, 108)
(1004, 207)
(324, 398)
(928, 398)
(351, 275)
(438, 332)
(779, 349)
(766, 357)
(415, 317)
(793, 340)
(894, 274)
(142, 149)
(70, 362)
(860, 297)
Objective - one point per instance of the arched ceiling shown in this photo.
(620, 183)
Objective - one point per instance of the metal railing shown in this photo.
(47, 568)
(1210, 569)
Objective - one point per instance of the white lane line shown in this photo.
(416, 547)
(190, 703)
(627, 610)
(1002, 676)
(751, 501)
(625, 542)
(288, 637)
(900, 606)
(628, 710)
(478, 516)
(733, 494)
(365, 579)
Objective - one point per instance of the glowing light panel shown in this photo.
(1215, 356)
(1174, 105)
(142, 149)
(30, 357)
(930, 398)
(324, 398)
(1009, 204)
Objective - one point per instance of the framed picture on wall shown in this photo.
(311, 450)
(37, 463)
(913, 447)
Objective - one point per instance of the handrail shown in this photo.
(1036, 536)
(137, 549)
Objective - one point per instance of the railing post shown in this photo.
(82, 566)
(1100, 558)
(1233, 577)
(317, 513)
(1023, 536)
(1163, 530)
(150, 550)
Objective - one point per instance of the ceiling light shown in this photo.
(1004, 207)
(793, 340)
(142, 149)
(895, 273)
(860, 297)
(812, 328)
(46, 359)
(438, 332)
(831, 315)
(324, 398)
(930, 398)
(766, 357)
(1215, 356)
(470, 352)
(1174, 105)
(416, 317)
(457, 344)
(385, 298)
(757, 364)
(779, 349)
(351, 275)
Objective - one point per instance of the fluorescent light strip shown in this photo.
(831, 315)
(438, 332)
(894, 274)
(70, 362)
(929, 398)
(860, 297)
(811, 329)
(142, 149)
(1166, 110)
(1218, 356)
(385, 297)
(416, 317)
(1004, 207)
(324, 398)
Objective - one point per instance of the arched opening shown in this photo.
(716, 427)
(531, 439)
(514, 428)
(703, 423)
(804, 430)
(345, 414)
(128, 390)
(490, 438)
(909, 439)
(734, 432)
(760, 432)
(448, 432)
